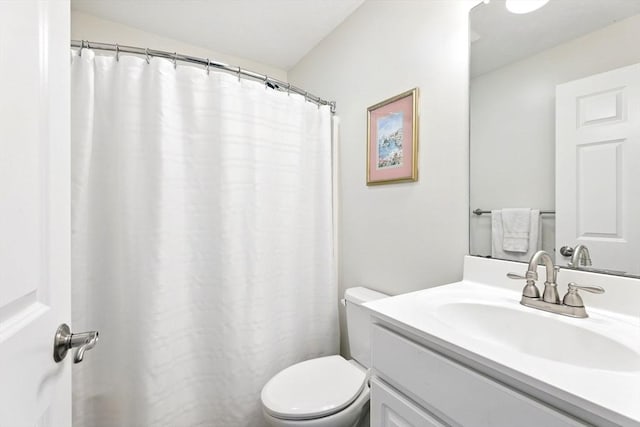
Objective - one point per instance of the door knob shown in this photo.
(64, 341)
(566, 251)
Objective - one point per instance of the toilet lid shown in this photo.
(312, 389)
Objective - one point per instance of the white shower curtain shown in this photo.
(201, 241)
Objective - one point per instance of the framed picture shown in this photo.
(392, 140)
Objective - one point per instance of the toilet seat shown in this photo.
(314, 388)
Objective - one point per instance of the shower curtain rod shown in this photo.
(208, 64)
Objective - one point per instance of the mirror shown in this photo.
(555, 127)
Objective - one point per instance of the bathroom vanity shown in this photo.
(469, 354)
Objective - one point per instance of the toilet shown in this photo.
(328, 391)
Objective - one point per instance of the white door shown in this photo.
(598, 167)
(34, 211)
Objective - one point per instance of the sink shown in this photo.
(540, 335)
(590, 365)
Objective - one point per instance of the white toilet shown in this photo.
(328, 391)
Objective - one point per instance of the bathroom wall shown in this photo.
(89, 27)
(513, 124)
(400, 237)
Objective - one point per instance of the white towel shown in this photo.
(516, 226)
(534, 238)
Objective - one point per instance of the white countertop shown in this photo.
(606, 390)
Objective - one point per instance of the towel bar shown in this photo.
(480, 212)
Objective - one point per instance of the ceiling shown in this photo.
(502, 37)
(274, 32)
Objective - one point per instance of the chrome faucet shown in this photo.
(571, 305)
(580, 257)
(550, 293)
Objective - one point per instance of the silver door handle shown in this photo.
(566, 251)
(65, 340)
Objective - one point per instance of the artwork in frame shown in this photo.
(392, 140)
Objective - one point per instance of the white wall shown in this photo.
(93, 28)
(400, 237)
(513, 124)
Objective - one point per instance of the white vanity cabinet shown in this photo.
(391, 409)
(415, 386)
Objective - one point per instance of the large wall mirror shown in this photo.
(555, 128)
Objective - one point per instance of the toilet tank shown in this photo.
(358, 322)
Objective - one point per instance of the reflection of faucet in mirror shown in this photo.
(580, 257)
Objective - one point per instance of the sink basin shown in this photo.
(543, 336)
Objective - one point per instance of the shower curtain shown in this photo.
(201, 241)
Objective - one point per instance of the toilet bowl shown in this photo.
(327, 391)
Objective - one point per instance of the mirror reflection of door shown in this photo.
(597, 174)
(517, 61)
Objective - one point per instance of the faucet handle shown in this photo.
(592, 289)
(530, 290)
(529, 275)
(573, 299)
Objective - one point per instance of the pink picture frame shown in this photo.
(392, 140)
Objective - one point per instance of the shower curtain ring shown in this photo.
(266, 82)
(239, 74)
(288, 89)
(306, 96)
(208, 66)
(146, 55)
(175, 60)
(81, 47)
(117, 53)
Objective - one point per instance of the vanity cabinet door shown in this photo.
(456, 394)
(391, 409)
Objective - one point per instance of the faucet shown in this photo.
(580, 257)
(571, 305)
(550, 293)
